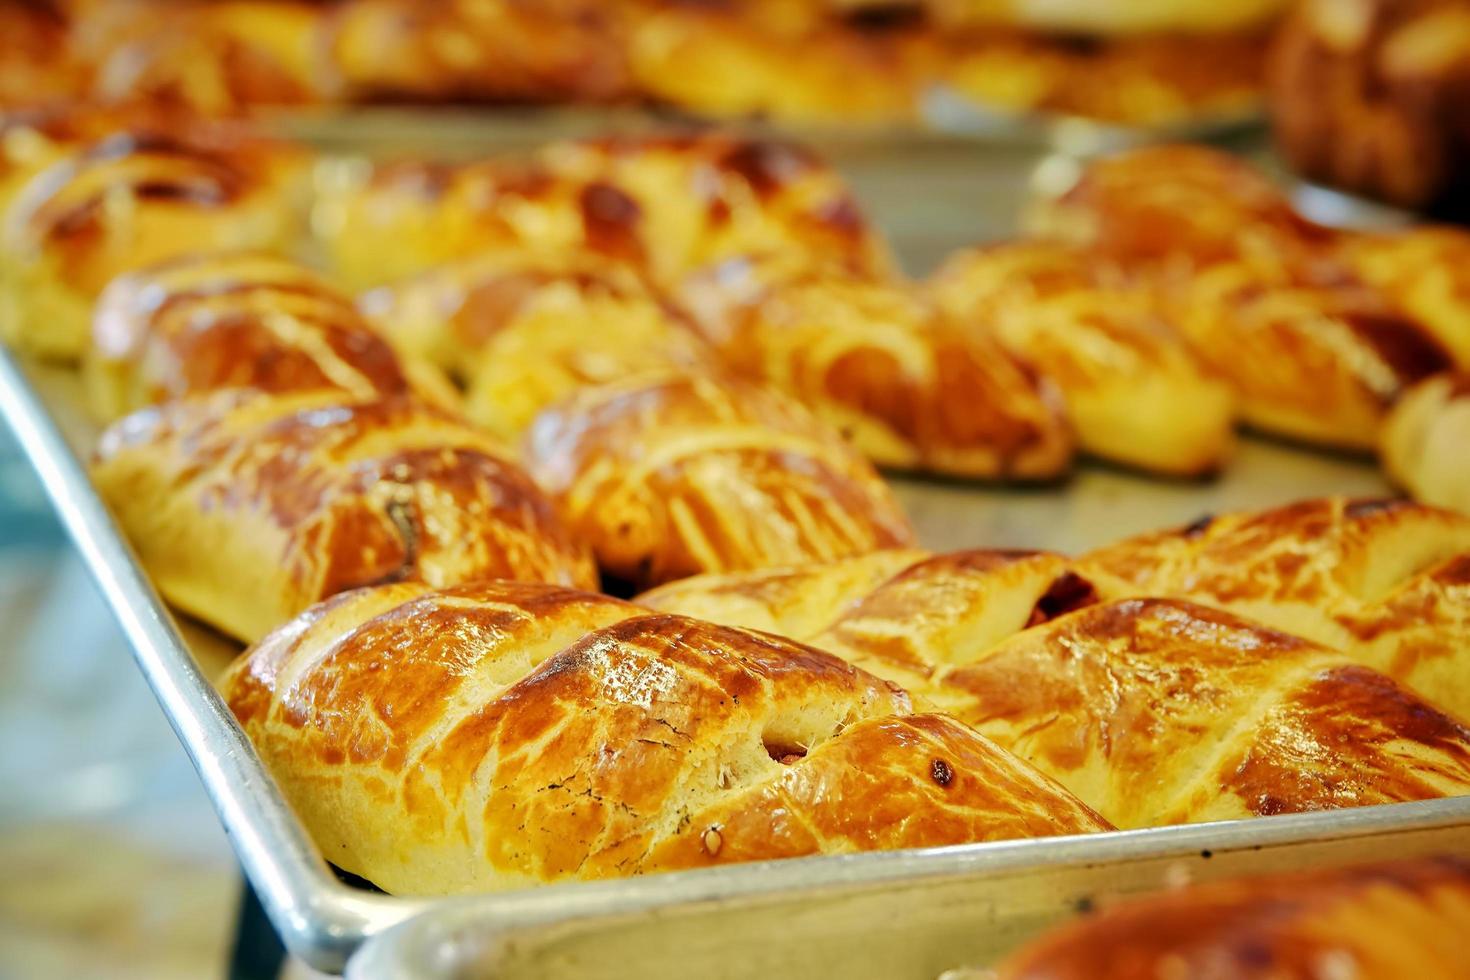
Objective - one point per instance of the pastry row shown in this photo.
(1168, 294)
(858, 62)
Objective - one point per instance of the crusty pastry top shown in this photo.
(1376, 922)
(236, 319)
(527, 734)
(677, 476)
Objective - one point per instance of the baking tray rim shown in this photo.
(323, 920)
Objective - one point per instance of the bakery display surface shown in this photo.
(295, 471)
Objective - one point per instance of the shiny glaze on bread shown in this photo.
(527, 734)
(672, 477)
(247, 507)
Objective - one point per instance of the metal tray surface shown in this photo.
(322, 920)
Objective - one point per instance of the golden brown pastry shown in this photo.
(910, 387)
(131, 200)
(667, 205)
(246, 507)
(1426, 442)
(35, 66)
(1135, 394)
(1425, 272)
(1152, 711)
(499, 735)
(474, 50)
(1374, 96)
(230, 320)
(521, 331)
(1386, 581)
(1313, 358)
(694, 474)
(1374, 922)
(214, 57)
(1112, 19)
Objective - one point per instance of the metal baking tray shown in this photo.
(323, 920)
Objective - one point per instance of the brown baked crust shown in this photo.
(230, 320)
(910, 387)
(36, 67)
(1135, 393)
(692, 474)
(1386, 581)
(1379, 922)
(245, 508)
(529, 734)
(1423, 448)
(1372, 97)
(522, 330)
(1423, 271)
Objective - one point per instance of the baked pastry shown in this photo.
(129, 201)
(230, 320)
(1152, 711)
(1113, 19)
(1425, 442)
(1425, 273)
(910, 387)
(246, 507)
(1371, 96)
(1387, 581)
(1314, 358)
(520, 331)
(672, 477)
(1134, 392)
(474, 50)
(35, 66)
(214, 57)
(527, 734)
(1375, 922)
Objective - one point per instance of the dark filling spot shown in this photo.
(1068, 593)
(1198, 527)
(785, 754)
(1084, 905)
(1367, 508)
(940, 772)
(1084, 45)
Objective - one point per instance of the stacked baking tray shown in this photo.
(893, 914)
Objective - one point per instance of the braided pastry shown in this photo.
(1134, 392)
(1150, 710)
(245, 508)
(1376, 922)
(1425, 272)
(521, 331)
(230, 320)
(911, 388)
(1425, 439)
(129, 201)
(496, 735)
(672, 477)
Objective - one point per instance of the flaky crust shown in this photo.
(1135, 394)
(230, 320)
(245, 508)
(1386, 581)
(521, 331)
(1377, 922)
(128, 201)
(528, 734)
(907, 385)
(1426, 442)
(692, 474)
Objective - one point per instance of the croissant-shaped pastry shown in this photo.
(907, 385)
(496, 734)
(1425, 272)
(1375, 922)
(1152, 711)
(521, 331)
(230, 320)
(1134, 392)
(1387, 581)
(129, 201)
(1426, 442)
(676, 476)
(245, 507)
(1316, 361)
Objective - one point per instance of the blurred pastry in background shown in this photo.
(910, 386)
(1135, 393)
(130, 200)
(35, 65)
(1425, 272)
(1116, 18)
(1426, 442)
(1373, 97)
